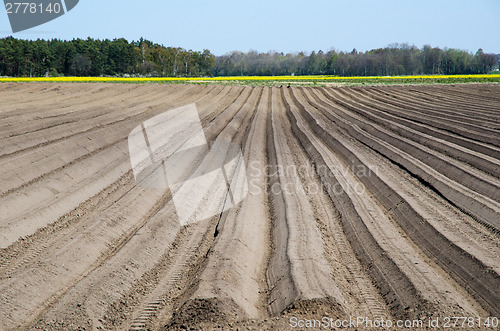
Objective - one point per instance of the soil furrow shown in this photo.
(479, 134)
(375, 202)
(463, 267)
(484, 210)
(409, 130)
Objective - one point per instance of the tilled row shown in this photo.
(398, 291)
(445, 144)
(459, 187)
(43, 184)
(443, 104)
(416, 112)
(112, 221)
(314, 235)
(482, 99)
(464, 268)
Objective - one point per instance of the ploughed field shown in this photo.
(380, 202)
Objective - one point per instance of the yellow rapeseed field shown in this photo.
(236, 78)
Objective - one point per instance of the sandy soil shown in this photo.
(374, 202)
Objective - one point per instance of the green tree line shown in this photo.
(390, 61)
(93, 57)
(119, 57)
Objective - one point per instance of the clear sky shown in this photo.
(282, 25)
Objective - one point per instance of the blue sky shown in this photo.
(281, 25)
